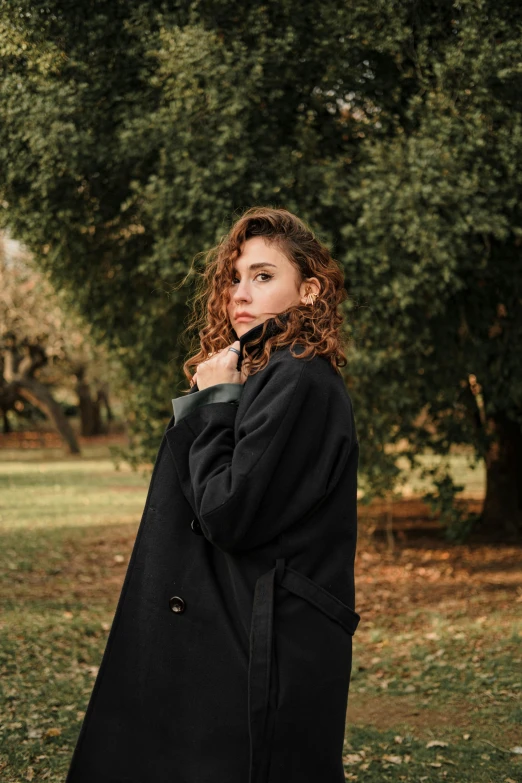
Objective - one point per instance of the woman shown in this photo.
(230, 653)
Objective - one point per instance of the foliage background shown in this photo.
(133, 133)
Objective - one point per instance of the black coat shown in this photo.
(230, 653)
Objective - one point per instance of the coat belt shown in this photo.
(261, 686)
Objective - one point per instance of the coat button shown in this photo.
(196, 527)
(177, 604)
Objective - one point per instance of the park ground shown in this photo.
(436, 689)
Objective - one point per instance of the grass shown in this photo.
(435, 692)
(68, 494)
(452, 698)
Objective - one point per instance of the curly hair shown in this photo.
(317, 325)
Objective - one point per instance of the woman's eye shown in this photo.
(263, 274)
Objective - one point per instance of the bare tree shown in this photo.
(45, 350)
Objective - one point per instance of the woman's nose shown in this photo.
(241, 294)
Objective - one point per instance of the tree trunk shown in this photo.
(40, 396)
(7, 423)
(502, 510)
(103, 399)
(90, 411)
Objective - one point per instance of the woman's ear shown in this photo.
(310, 285)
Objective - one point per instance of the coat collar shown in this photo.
(253, 334)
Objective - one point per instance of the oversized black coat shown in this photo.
(230, 652)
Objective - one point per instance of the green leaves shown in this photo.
(131, 138)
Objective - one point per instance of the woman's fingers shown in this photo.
(221, 367)
(224, 355)
(233, 354)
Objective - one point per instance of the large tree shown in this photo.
(435, 255)
(130, 139)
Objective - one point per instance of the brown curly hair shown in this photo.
(317, 325)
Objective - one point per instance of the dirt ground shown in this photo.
(416, 566)
(406, 571)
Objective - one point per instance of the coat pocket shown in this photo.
(313, 632)
(322, 599)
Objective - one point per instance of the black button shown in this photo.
(196, 527)
(177, 604)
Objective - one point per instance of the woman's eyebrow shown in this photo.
(258, 265)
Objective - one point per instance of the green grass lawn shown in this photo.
(445, 704)
(436, 686)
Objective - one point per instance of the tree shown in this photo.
(43, 349)
(435, 255)
(132, 137)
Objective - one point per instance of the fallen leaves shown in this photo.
(54, 731)
(352, 758)
(392, 759)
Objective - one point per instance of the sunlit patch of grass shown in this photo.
(67, 494)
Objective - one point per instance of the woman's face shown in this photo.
(265, 283)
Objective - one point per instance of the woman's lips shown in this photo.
(245, 318)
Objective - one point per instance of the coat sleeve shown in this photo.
(227, 477)
(220, 392)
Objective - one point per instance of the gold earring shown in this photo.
(310, 298)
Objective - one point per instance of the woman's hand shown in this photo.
(221, 367)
